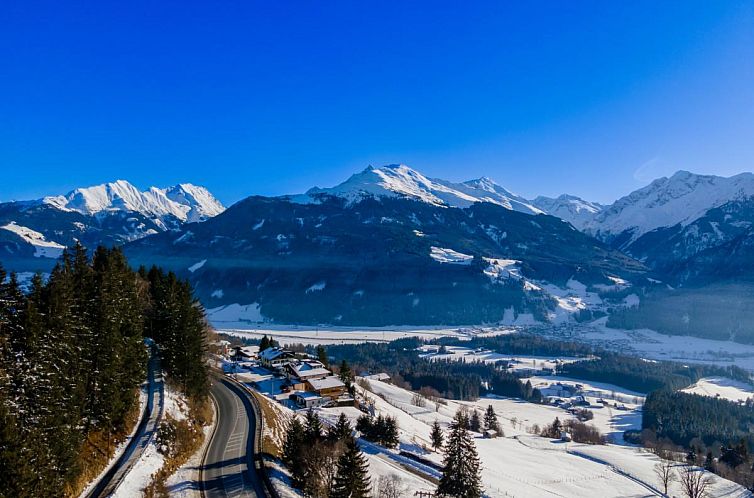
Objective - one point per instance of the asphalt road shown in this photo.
(144, 433)
(228, 468)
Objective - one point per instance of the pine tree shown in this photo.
(490, 420)
(322, 356)
(461, 467)
(436, 436)
(389, 432)
(345, 374)
(264, 343)
(352, 477)
(72, 358)
(293, 450)
(475, 424)
(365, 425)
(313, 428)
(340, 431)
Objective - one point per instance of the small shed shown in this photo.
(566, 437)
(490, 434)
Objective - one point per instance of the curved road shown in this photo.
(228, 469)
(144, 432)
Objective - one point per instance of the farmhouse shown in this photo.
(275, 357)
(328, 387)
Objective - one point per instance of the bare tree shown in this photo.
(694, 481)
(664, 473)
(390, 487)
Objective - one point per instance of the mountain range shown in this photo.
(34, 233)
(392, 246)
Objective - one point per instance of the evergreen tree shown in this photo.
(436, 436)
(264, 343)
(475, 424)
(365, 426)
(490, 420)
(176, 322)
(352, 477)
(345, 374)
(389, 433)
(293, 450)
(340, 431)
(556, 428)
(313, 428)
(461, 467)
(322, 356)
(72, 358)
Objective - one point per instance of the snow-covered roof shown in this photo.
(311, 372)
(326, 383)
(270, 354)
(307, 395)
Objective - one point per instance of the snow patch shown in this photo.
(316, 287)
(443, 255)
(235, 315)
(196, 266)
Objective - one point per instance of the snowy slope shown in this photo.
(523, 465)
(680, 199)
(398, 180)
(185, 202)
(43, 248)
(570, 208)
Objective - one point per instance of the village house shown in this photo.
(275, 358)
(305, 399)
(329, 387)
(299, 372)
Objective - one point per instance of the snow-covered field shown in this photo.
(340, 335)
(517, 362)
(521, 464)
(653, 345)
(621, 412)
(721, 387)
(645, 343)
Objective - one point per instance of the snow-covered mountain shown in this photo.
(398, 180)
(186, 202)
(666, 202)
(390, 260)
(34, 233)
(570, 208)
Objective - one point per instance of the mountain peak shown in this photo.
(680, 199)
(184, 201)
(400, 180)
(573, 209)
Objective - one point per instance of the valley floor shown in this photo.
(644, 343)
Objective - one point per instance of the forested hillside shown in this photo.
(72, 355)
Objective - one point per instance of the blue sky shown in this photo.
(590, 98)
